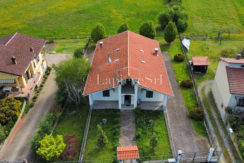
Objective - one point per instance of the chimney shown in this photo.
(101, 44)
(156, 51)
(31, 50)
(14, 60)
(238, 56)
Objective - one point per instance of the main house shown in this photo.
(22, 64)
(128, 71)
(228, 87)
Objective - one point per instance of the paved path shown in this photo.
(19, 148)
(128, 128)
(181, 129)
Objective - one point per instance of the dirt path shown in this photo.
(19, 148)
(128, 128)
(181, 129)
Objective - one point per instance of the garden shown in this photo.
(103, 136)
(151, 135)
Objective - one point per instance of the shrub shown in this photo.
(2, 134)
(50, 147)
(228, 110)
(179, 57)
(102, 139)
(32, 104)
(164, 19)
(242, 53)
(181, 25)
(8, 127)
(186, 83)
(50, 41)
(148, 30)
(78, 53)
(240, 132)
(98, 33)
(71, 147)
(122, 28)
(170, 32)
(154, 142)
(196, 114)
(9, 109)
(228, 53)
(235, 121)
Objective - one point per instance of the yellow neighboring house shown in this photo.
(22, 64)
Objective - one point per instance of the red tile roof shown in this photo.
(18, 45)
(236, 80)
(232, 60)
(128, 152)
(200, 61)
(132, 56)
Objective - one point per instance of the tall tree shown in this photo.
(148, 30)
(122, 28)
(98, 33)
(71, 76)
(50, 147)
(170, 32)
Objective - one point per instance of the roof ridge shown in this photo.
(128, 52)
(11, 39)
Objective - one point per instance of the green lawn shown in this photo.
(211, 49)
(112, 131)
(73, 121)
(69, 46)
(211, 16)
(181, 72)
(145, 131)
(68, 19)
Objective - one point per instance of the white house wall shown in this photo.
(97, 96)
(142, 95)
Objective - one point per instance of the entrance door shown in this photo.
(127, 100)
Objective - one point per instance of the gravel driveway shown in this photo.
(19, 148)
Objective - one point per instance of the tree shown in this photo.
(78, 53)
(164, 19)
(170, 32)
(50, 147)
(181, 25)
(9, 110)
(122, 28)
(102, 139)
(154, 142)
(98, 33)
(148, 30)
(71, 76)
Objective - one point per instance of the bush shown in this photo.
(186, 83)
(102, 139)
(227, 53)
(196, 114)
(235, 121)
(9, 110)
(50, 41)
(122, 28)
(148, 30)
(98, 33)
(242, 53)
(181, 25)
(2, 134)
(78, 53)
(164, 19)
(154, 142)
(70, 151)
(170, 32)
(8, 127)
(179, 57)
(228, 110)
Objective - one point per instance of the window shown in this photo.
(43, 67)
(106, 93)
(240, 102)
(34, 64)
(38, 58)
(149, 94)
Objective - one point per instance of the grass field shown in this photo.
(69, 19)
(112, 131)
(211, 16)
(73, 121)
(145, 131)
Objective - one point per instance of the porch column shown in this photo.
(91, 101)
(119, 96)
(165, 102)
(135, 95)
(18, 85)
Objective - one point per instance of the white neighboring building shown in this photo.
(228, 87)
(128, 70)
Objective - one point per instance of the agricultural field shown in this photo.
(51, 19)
(211, 16)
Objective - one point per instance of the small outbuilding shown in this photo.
(200, 64)
(127, 153)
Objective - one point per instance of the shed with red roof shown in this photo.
(200, 64)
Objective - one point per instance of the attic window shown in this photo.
(109, 59)
(116, 60)
(143, 62)
(142, 51)
(117, 49)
